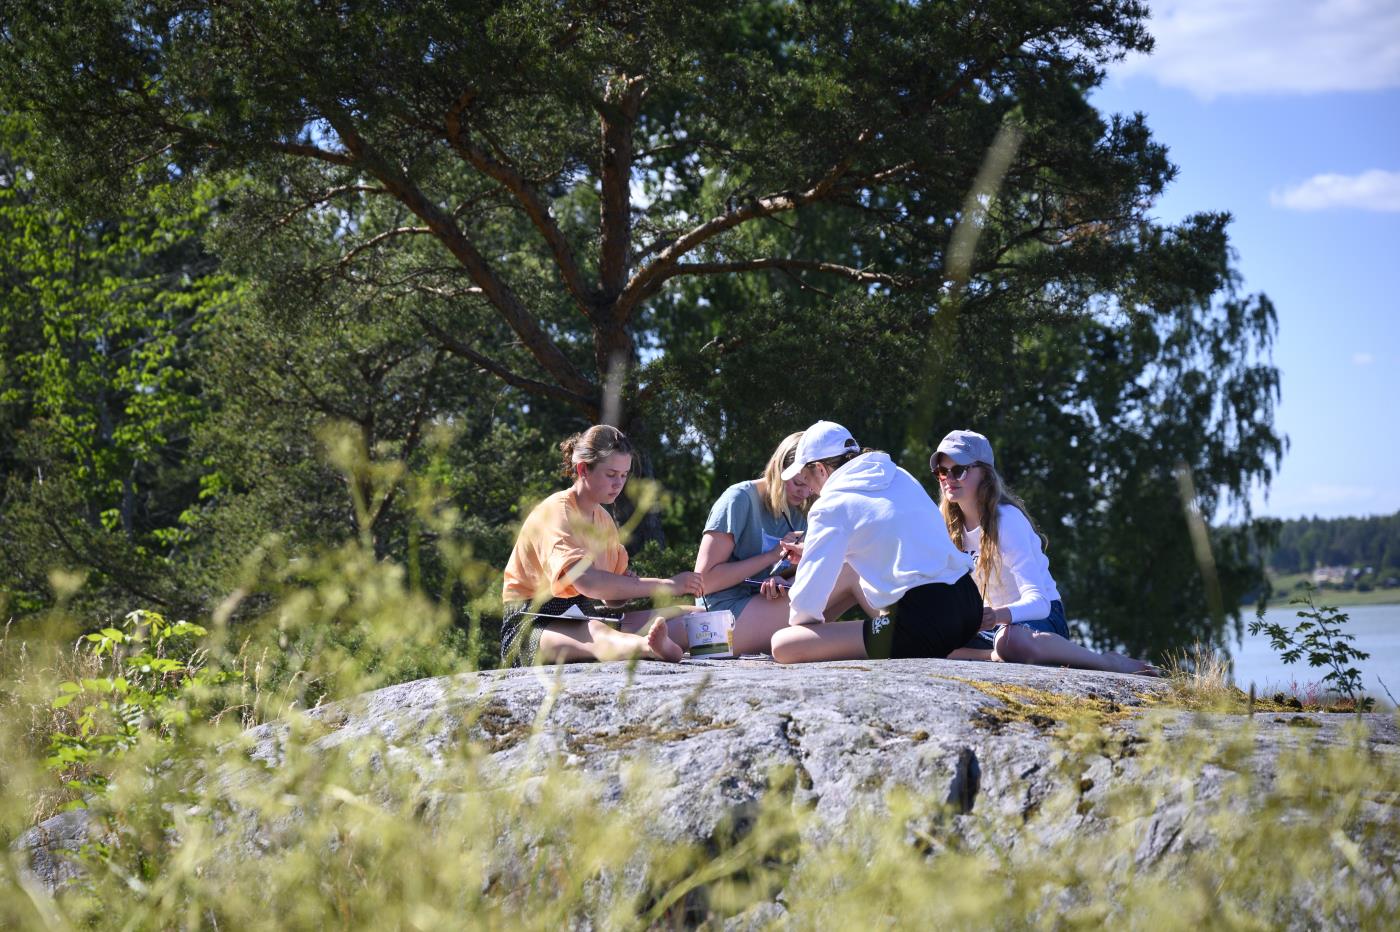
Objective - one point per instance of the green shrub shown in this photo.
(1319, 637)
(152, 677)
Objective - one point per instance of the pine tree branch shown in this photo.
(862, 276)
(121, 577)
(646, 280)
(458, 348)
(313, 152)
(324, 196)
(375, 240)
(526, 194)
(546, 352)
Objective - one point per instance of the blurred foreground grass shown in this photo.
(194, 831)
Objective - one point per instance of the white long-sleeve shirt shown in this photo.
(876, 517)
(1023, 582)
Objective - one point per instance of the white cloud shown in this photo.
(1370, 190)
(1213, 47)
(1362, 359)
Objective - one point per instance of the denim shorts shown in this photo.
(728, 600)
(1054, 623)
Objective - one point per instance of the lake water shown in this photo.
(1376, 629)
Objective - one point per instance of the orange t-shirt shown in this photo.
(557, 543)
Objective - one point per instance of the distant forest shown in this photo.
(1305, 543)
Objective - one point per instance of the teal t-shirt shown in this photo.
(740, 513)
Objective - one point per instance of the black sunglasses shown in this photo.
(957, 472)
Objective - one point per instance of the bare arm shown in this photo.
(718, 571)
(614, 587)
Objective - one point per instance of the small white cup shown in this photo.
(711, 634)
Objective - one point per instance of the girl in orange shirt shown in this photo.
(569, 554)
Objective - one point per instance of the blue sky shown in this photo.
(1287, 115)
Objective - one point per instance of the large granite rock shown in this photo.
(984, 738)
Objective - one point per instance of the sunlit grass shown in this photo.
(361, 834)
(1200, 679)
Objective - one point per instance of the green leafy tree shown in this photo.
(1174, 383)
(569, 164)
(100, 324)
(740, 217)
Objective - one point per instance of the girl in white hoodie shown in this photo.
(869, 531)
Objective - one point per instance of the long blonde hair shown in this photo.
(776, 498)
(992, 493)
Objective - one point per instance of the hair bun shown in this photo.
(591, 446)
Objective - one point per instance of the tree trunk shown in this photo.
(617, 360)
(649, 527)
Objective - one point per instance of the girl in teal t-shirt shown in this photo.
(741, 541)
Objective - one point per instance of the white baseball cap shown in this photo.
(823, 439)
(963, 447)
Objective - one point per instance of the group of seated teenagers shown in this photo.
(966, 578)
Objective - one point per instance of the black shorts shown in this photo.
(931, 620)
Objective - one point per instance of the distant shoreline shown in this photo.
(1286, 585)
(1341, 598)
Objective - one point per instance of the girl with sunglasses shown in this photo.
(1023, 619)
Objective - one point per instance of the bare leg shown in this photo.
(1019, 644)
(1140, 667)
(753, 629)
(847, 594)
(839, 640)
(569, 642)
(674, 615)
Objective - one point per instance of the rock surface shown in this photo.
(971, 735)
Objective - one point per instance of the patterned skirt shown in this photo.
(520, 633)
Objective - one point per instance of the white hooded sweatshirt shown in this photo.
(876, 517)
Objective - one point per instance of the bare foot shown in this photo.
(1121, 663)
(659, 644)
